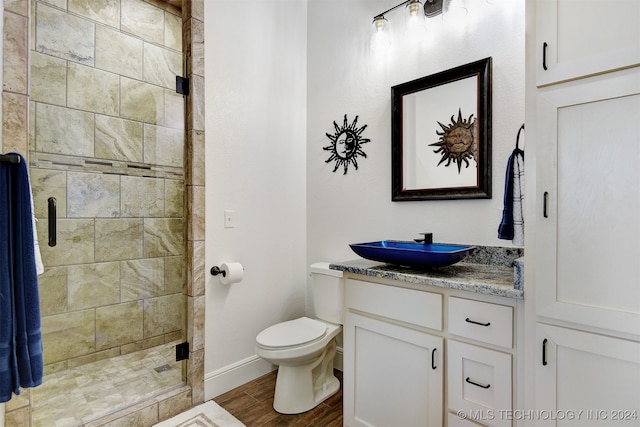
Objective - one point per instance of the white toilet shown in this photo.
(304, 348)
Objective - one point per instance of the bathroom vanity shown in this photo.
(432, 348)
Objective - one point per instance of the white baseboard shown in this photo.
(231, 376)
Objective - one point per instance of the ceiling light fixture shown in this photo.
(431, 8)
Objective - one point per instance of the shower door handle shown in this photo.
(52, 221)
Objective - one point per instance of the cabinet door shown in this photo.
(393, 375)
(577, 38)
(588, 203)
(585, 379)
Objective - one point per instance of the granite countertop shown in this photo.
(502, 278)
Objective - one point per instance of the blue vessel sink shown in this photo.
(412, 254)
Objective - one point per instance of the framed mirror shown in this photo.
(441, 135)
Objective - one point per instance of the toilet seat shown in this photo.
(291, 333)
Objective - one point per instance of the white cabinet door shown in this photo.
(585, 379)
(393, 375)
(577, 38)
(588, 203)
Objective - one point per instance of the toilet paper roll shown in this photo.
(233, 272)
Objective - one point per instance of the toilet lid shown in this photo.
(292, 332)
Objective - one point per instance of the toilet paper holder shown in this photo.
(215, 270)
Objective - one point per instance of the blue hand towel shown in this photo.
(21, 358)
(506, 227)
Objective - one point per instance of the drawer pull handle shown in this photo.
(476, 384)
(545, 204)
(433, 359)
(477, 323)
(544, 55)
(544, 352)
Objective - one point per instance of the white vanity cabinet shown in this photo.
(393, 373)
(577, 38)
(427, 356)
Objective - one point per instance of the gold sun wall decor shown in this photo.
(457, 141)
(346, 144)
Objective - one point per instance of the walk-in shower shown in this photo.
(106, 149)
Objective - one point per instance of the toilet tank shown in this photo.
(327, 292)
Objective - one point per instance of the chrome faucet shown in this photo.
(427, 239)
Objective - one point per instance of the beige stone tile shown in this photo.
(197, 9)
(195, 104)
(195, 167)
(68, 335)
(174, 275)
(163, 237)
(94, 90)
(75, 242)
(174, 405)
(163, 146)
(195, 328)
(195, 376)
(93, 285)
(64, 130)
(144, 414)
(104, 11)
(48, 79)
(142, 197)
(93, 195)
(141, 345)
(53, 291)
(173, 31)
(47, 183)
(174, 198)
(118, 53)
(20, 7)
(62, 4)
(161, 66)
(174, 110)
(14, 122)
(197, 274)
(19, 401)
(93, 357)
(119, 239)
(119, 324)
(197, 47)
(118, 139)
(142, 278)
(163, 314)
(64, 35)
(15, 53)
(195, 207)
(19, 417)
(143, 20)
(141, 101)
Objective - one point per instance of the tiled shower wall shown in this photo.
(107, 141)
(15, 118)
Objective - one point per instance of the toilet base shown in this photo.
(301, 388)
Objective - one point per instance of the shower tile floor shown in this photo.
(76, 396)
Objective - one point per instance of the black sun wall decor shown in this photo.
(346, 144)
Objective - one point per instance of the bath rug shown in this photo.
(208, 414)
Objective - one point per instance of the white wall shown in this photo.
(347, 76)
(256, 160)
(278, 74)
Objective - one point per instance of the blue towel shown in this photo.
(506, 227)
(21, 358)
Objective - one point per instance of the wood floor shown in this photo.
(252, 404)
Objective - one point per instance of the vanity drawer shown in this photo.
(482, 321)
(406, 305)
(479, 382)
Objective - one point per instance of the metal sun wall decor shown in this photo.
(346, 144)
(457, 141)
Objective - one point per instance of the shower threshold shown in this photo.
(74, 397)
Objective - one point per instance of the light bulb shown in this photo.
(379, 22)
(414, 7)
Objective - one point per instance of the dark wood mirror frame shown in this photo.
(431, 89)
